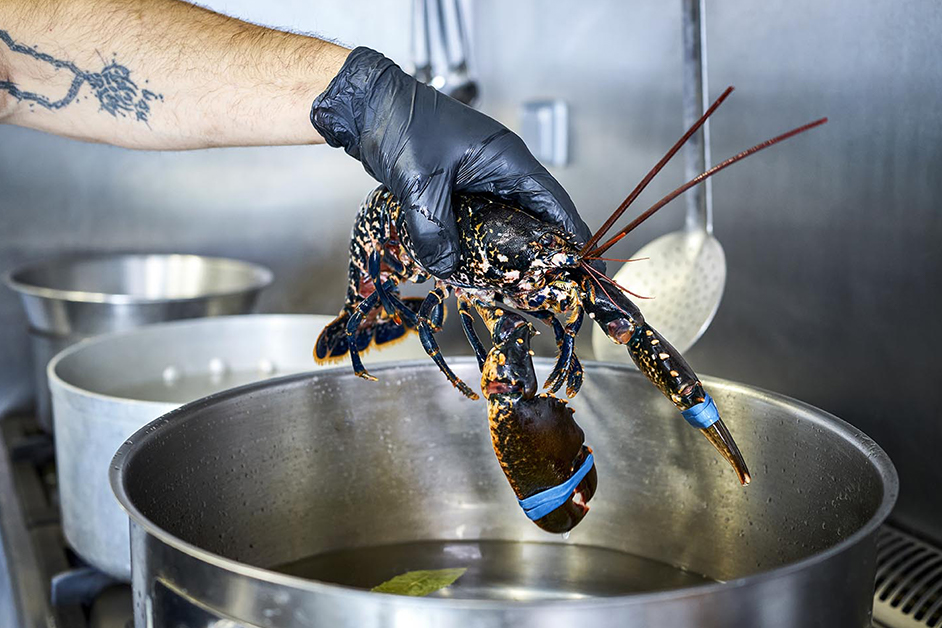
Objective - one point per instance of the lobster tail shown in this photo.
(333, 343)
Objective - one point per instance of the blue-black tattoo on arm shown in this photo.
(117, 94)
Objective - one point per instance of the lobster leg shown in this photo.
(332, 342)
(406, 316)
(576, 376)
(565, 362)
(374, 266)
(437, 315)
(363, 309)
(385, 332)
(435, 302)
(569, 365)
(467, 324)
(390, 260)
(548, 318)
(664, 366)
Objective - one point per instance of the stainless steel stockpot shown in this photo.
(72, 298)
(106, 388)
(224, 489)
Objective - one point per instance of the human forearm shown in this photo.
(162, 74)
(158, 74)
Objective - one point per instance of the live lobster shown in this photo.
(512, 263)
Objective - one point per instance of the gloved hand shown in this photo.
(424, 146)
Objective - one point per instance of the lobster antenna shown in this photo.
(657, 168)
(699, 178)
(599, 275)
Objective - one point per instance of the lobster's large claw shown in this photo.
(539, 447)
(537, 442)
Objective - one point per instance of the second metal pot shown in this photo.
(72, 298)
(106, 388)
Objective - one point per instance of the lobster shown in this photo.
(510, 264)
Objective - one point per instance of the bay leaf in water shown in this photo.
(420, 583)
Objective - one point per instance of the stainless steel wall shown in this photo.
(832, 239)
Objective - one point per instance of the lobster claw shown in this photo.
(538, 444)
(552, 455)
(667, 369)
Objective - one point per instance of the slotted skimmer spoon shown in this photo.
(684, 271)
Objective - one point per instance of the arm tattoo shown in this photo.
(117, 94)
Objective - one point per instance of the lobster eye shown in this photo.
(547, 241)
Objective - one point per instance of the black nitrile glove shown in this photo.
(423, 146)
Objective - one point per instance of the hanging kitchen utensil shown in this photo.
(685, 271)
(458, 82)
(440, 49)
(421, 50)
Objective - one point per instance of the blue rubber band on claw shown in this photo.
(703, 414)
(543, 503)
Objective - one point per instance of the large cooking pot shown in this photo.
(106, 388)
(281, 503)
(72, 298)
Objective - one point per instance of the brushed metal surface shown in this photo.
(223, 488)
(72, 298)
(94, 413)
(835, 271)
(832, 240)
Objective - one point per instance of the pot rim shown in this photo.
(168, 327)
(259, 277)
(823, 419)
